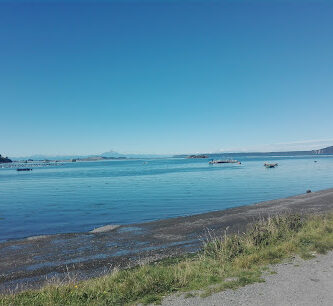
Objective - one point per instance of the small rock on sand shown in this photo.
(105, 228)
(38, 237)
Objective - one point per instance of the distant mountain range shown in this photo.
(116, 155)
(105, 155)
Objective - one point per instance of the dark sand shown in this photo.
(29, 263)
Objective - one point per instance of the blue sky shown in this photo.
(165, 76)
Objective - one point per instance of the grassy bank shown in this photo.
(225, 262)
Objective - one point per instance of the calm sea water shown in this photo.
(78, 197)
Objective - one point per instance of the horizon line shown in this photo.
(167, 154)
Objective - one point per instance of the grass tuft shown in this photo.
(227, 262)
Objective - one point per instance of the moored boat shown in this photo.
(268, 165)
(24, 169)
(226, 161)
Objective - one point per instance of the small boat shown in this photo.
(24, 169)
(227, 161)
(267, 165)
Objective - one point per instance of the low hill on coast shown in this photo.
(4, 159)
(328, 150)
(324, 151)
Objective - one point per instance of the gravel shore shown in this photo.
(297, 282)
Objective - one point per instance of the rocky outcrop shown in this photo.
(4, 159)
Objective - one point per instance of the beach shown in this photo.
(29, 263)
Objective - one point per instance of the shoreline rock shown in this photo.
(104, 229)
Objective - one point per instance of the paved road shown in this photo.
(306, 283)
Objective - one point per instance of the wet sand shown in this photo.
(29, 263)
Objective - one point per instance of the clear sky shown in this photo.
(165, 76)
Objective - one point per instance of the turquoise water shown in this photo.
(78, 197)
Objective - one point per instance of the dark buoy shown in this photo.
(308, 191)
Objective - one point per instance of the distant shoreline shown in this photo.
(191, 157)
(115, 155)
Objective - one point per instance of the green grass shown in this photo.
(226, 262)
